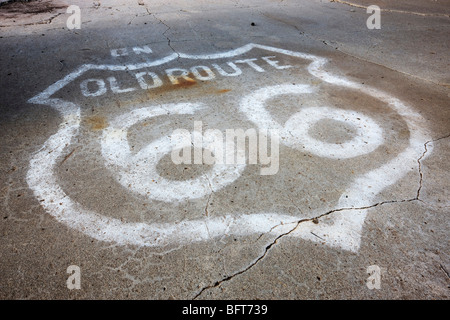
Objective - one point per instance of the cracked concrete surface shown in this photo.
(405, 231)
(316, 220)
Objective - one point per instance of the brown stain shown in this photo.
(97, 122)
(202, 88)
(68, 156)
(169, 86)
(403, 134)
(184, 85)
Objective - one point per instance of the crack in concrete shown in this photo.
(421, 173)
(445, 271)
(272, 244)
(125, 269)
(315, 220)
(266, 250)
(420, 169)
(441, 138)
(270, 230)
(164, 33)
(209, 197)
(420, 163)
(136, 16)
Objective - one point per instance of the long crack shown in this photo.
(419, 161)
(420, 169)
(164, 33)
(266, 250)
(315, 219)
(270, 246)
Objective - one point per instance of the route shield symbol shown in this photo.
(108, 171)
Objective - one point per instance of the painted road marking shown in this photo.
(139, 172)
(295, 132)
(151, 80)
(344, 229)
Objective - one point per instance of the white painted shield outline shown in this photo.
(347, 220)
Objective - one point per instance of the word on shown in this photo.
(150, 80)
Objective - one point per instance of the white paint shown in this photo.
(119, 52)
(295, 132)
(122, 52)
(251, 64)
(201, 73)
(224, 73)
(368, 137)
(144, 49)
(113, 84)
(197, 72)
(140, 76)
(138, 172)
(176, 73)
(101, 87)
(253, 105)
(275, 63)
(343, 228)
(210, 148)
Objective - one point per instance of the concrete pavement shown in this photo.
(355, 122)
